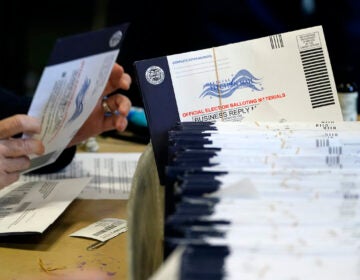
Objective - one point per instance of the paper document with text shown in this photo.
(31, 207)
(70, 87)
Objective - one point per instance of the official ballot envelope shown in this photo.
(70, 87)
(287, 74)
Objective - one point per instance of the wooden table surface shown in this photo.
(20, 256)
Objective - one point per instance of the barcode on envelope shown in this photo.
(322, 143)
(317, 78)
(333, 161)
(276, 41)
(335, 150)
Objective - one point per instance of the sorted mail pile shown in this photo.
(265, 200)
(261, 174)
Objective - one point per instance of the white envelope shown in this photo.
(290, 72)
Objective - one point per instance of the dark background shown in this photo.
(29, 29)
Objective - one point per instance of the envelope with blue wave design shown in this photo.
(71, 85)
(291, 71)
(287, 76)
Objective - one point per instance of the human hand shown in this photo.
(14, 152)
(98, 122)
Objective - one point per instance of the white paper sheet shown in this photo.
(30, 207)
(111, 174)
(102, 230)
(56, 98)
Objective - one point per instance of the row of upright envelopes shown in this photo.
(260, 171)
(265, 200)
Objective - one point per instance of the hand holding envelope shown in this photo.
(98, 122)
(69, 95)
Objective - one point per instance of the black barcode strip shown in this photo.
(322, 102)
(317, 75)
(312, 62)
(317, 78)
(333, 160)
(335, 150)
(106, 229)
(315, 68)
(319, 86)
(321, 99)
(276, 41)
(322, 143)
(314, 54)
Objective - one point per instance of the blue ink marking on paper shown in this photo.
(243, 79)
(79, 102)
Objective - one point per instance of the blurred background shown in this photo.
(29, 29)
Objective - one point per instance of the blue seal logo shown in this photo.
(242, 79)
